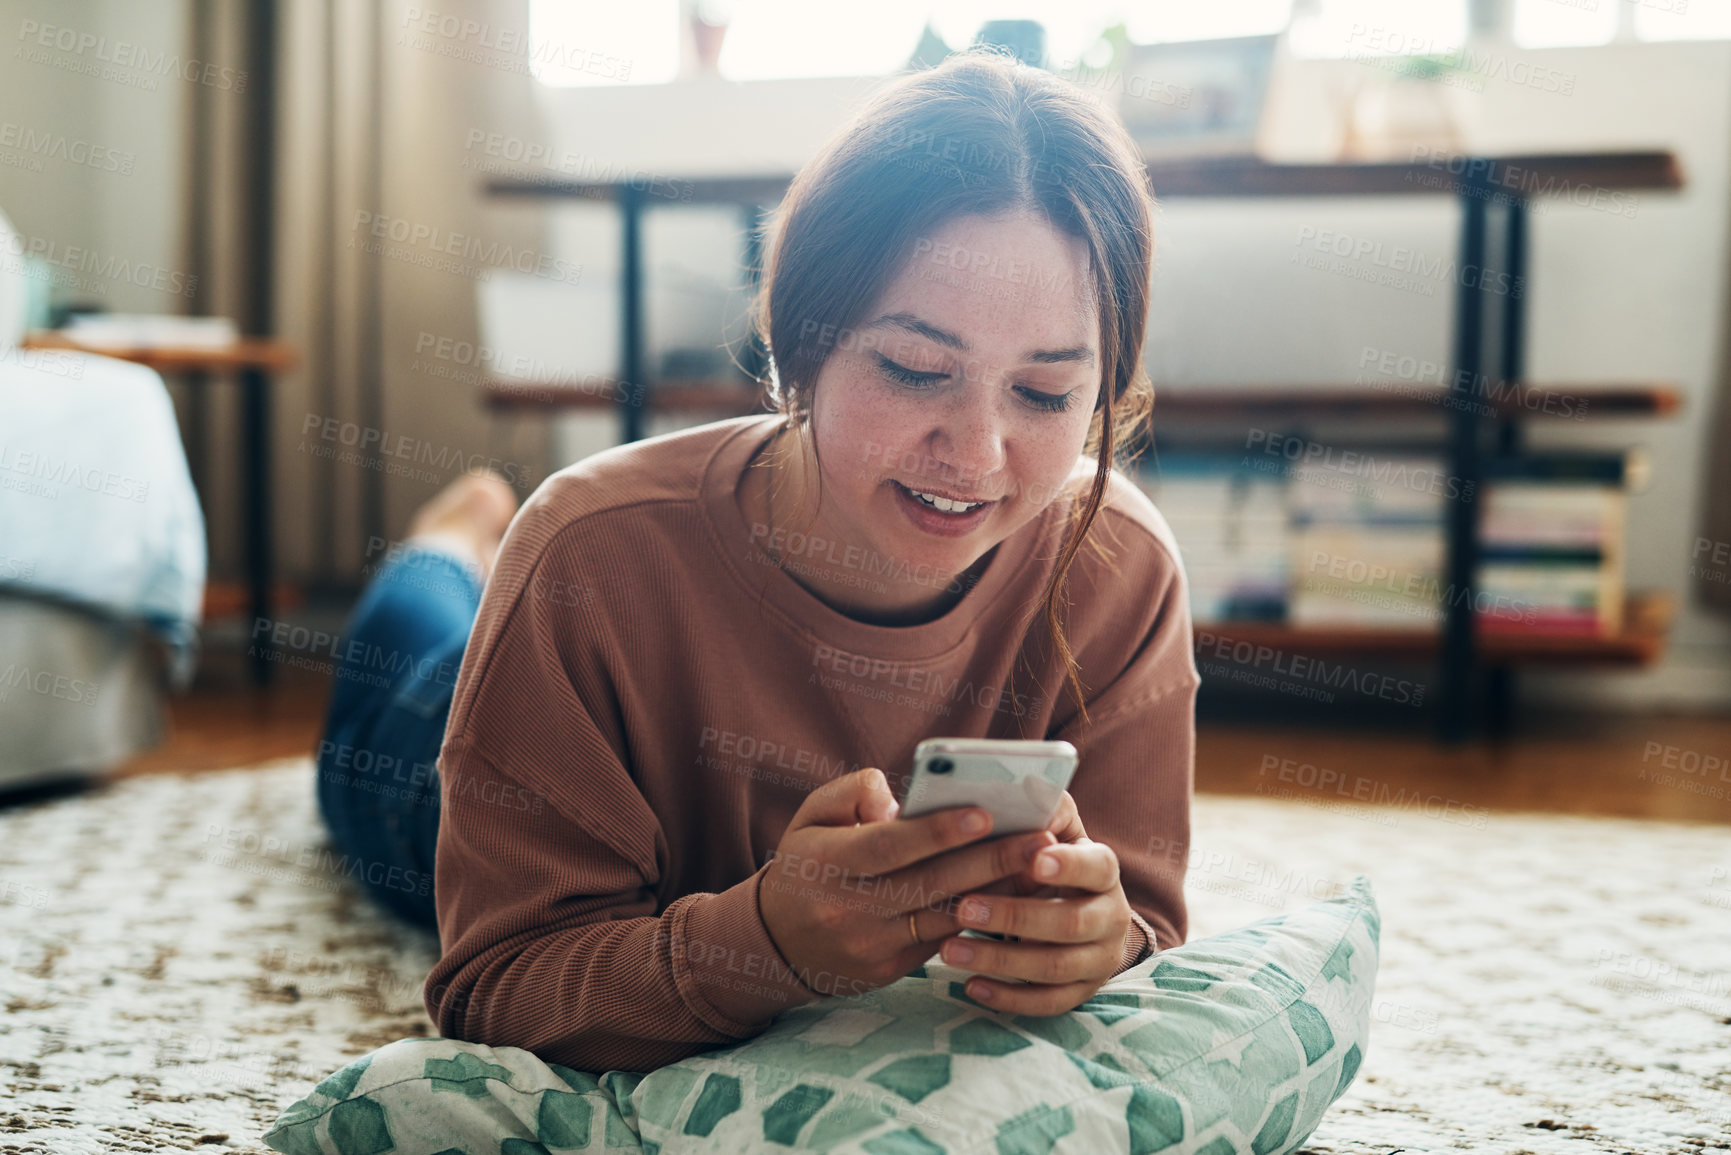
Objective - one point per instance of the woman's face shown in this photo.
(974, 378)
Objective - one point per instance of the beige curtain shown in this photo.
(1710, 548)
(372, 121)
(1712, 578)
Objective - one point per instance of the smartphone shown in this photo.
(1019, 782)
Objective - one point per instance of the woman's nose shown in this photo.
(970, 442)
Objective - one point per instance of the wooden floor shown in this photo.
(225, 721)
(1675, 767)
(1627, 766)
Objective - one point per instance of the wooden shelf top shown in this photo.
(1647, 619)
(1567, 175)
(509, 393)
(764, 189)
(265, 353)
(1399, 398)
(1223, 403)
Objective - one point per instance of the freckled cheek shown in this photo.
(1044, 470)
(864, 437)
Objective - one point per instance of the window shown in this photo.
(640, 40)
(801, 38)
(1158, 20)
(574, 43)
(771, 39)
(1680, 19)
(1071, 28)
(1561, 23)
(1338, 28)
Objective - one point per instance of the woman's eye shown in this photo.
(1050, 402)
(920, 379)
(906, 376)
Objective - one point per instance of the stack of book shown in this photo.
(1360, 539)
(1551, 542)
(1231, 527)
(1367, 541)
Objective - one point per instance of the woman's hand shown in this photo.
(854, 901)
(1071, 918)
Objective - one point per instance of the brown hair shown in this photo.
(980, 134)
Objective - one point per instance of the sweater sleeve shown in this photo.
(548, 869)
(1133, 784)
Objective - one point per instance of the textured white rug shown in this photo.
(175, 967)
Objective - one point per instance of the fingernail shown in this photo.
(1048, 867)
(973, 823)
(974, 910)
(958, 954)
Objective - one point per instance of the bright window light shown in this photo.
(1337, 28)
(603, 42)
(1071, 28)
(1564, 23)
(609, 42)
(1682, 19)
(1162, 20)
(769, 39)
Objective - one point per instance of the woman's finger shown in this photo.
(1029, 998)
(1085, 865)
(1066, 824)
(1084, 918)
(1044, 963)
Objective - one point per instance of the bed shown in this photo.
(102, 554)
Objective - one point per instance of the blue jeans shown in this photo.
(378, 782)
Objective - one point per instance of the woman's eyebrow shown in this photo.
(1060, 356)
(913, 324)
(921, 328)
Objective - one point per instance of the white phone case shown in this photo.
(1019, 782)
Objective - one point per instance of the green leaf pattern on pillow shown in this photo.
(1236, 1043)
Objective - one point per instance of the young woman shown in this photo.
(702, 661)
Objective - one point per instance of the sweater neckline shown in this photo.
(762, 580)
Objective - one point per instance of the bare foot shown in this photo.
(470, 515)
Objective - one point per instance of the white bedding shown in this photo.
(97, 507)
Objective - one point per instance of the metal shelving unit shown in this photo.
(1489, 342)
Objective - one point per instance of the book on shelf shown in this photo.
(1551, 539)
(1368, 541)
(1630, 468)
(1364, 574)
(1230, 523)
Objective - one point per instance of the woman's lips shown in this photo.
(935, 521)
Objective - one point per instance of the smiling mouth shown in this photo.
(941, 503)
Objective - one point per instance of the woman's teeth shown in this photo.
(945, 504)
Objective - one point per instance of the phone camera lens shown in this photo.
(940, 765)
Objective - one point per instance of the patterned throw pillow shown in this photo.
(1237, 1043)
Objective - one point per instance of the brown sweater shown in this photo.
(646, 700)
